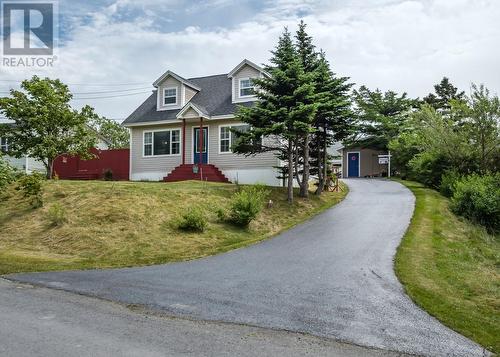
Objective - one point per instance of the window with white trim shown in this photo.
(164, 142)
(246, 87)
(170, 96)
(4, 145)
(228, 136)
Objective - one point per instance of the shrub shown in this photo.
(478, 199)
(56, 214)
(193, 220)
(246, 204)
(31, 186)
(428, 167)
(108, 175)
(448, 182)
(221, 214)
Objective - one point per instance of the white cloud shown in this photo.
(400, 45)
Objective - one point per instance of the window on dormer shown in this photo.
(170, 96)
(246, 87)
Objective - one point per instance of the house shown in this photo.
(362, 162)
(335, 157)
(183, 130)
(26, 164)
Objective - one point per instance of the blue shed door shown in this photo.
(353, 164)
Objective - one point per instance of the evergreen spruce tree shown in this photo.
(445, 92)
(309, 60)
(334, 118)
(284, 109)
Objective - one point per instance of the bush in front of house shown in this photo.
(246, 204)
(193, 220)
(56, 215)
(478, 199)
(32, 187)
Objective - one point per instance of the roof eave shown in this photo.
(195, 108)
(249, 63)
(176, 76)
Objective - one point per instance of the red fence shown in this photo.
(72, 167)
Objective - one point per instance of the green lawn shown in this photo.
(118, 224)
(450, 267)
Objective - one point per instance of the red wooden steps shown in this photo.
(206, 172)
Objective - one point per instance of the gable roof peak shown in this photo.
(169, 73)
(248, 63)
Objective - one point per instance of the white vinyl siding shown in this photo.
(189, 94)
(162, 142)
(157, 167)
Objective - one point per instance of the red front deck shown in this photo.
(206, 172)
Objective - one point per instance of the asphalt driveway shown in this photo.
(331, 277)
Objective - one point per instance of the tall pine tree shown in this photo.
(309, 60)
(334, 118)
(445, 92)
(284, 109)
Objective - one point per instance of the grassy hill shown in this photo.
(119, 224)
(450, 267)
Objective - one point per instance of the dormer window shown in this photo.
(170, 96)
(246, 87)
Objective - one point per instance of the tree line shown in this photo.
(305, 107)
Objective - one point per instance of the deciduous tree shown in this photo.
(45, 125)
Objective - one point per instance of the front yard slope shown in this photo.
(450, 267)
(120, 224)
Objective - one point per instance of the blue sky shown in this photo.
(403, 45)
(166, 16)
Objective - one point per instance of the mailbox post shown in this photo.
(385, 159)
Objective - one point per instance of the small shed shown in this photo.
(362, 162)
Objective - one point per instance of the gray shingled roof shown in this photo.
(214, 98)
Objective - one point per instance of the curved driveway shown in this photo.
(331, 276)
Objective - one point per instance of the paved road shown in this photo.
(45, 322)
(330, 277)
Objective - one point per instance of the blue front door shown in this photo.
(196, 146)
(353, 164)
